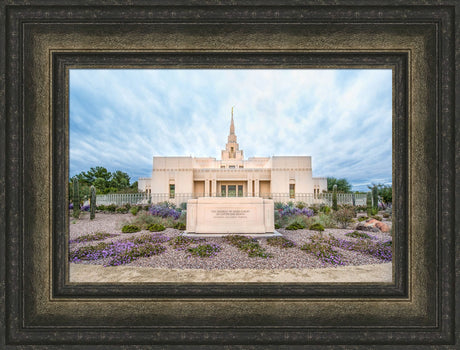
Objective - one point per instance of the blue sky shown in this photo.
(119, 119)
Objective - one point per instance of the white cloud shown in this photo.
(342, 118)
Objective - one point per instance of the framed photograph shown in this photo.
(46, 44)
(192, 217)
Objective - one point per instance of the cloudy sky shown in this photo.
(119, 119)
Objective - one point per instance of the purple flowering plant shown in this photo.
(164, 211)
(292, 211)
(98, 236)
(280, 242)
(204, 250)
(373, 246)
(320, 247)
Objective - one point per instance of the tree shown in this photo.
(342, 185)
(120, 180)
(92, 174)
(385, 192)
(105, 182)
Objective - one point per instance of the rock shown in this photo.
(372, 225)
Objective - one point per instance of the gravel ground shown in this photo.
(228, 258)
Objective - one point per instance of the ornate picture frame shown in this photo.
(42, 40)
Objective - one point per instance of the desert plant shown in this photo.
(111, 208)
(386, 215)
(122, 210)
(179, 226)
(156, 227)
(334, 198)
(183, 206)
(301, 205)
(363, 218)
(324, 209)
(315, 209)
(136, 252)
(130, 228)
(280, 242)
(325, 220)
(76, 199)
(295, 226)
(134, 210)
(377, 217)
(205, 250)
(98, 236)
(182, 242)
(321, 248)
(369, 203)
(358, 234)
(316, 227)
(92, 203)
(248, 245)
(344, 216)
(278, 205)
(375, 198)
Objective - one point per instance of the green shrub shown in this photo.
(179, 226)
(377, 217)
(325, 220)
(183, 206)
(301, 205)
(204, 250)
(248, 245)
(111, 208)
(278, 205)
(134, 210)
(101, 207)
(315, 209)
(277, 226)
(182, 242)
(146, 207)
(130, 228)
(122, 210)
(363, 218)
(295, 226)
(156, 227)
(344, 216)
(280, 242)
(360, 208)
(316, 227)
(149, 238)
(290, 204)
(386, 215)
(358, 234)
(325, 209)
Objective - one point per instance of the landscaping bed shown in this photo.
(167, 249)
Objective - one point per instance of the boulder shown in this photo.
(372, 225)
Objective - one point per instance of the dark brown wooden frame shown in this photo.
(42, 39)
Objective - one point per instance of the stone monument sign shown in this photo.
(239, 215)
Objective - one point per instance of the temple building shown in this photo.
(277, 177)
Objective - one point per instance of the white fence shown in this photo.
(308, 198)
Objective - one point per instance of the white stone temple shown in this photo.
(232, 176)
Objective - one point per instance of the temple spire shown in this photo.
(232, 125)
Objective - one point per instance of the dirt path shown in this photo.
(80, 273)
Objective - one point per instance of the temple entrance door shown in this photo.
(231, 190)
